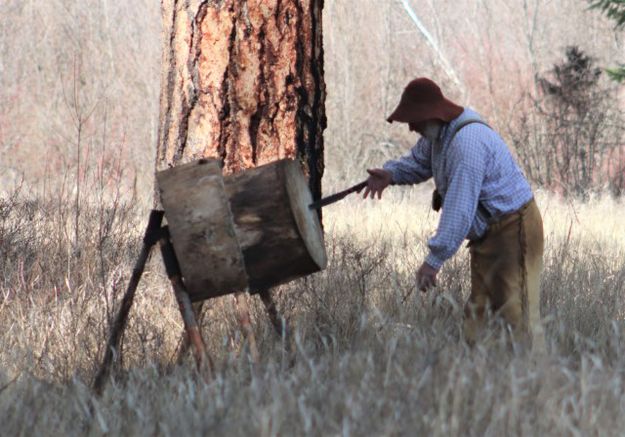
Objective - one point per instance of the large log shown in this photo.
(201, 228)
(281, 238)
(251, 230)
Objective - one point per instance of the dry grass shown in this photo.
(363, 361)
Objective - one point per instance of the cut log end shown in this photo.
(202, 229)
(307, 220)
(281, 238)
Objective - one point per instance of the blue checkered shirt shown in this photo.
(476, 166)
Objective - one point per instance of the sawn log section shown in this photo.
(281, 238)
(201, 228)
(251, 230)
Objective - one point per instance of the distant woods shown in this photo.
(84, 76)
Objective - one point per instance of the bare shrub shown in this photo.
(571, 140)
(50, 255)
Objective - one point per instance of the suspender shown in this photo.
(437, 199)
(463, 124)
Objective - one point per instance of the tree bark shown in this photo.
(242, 81)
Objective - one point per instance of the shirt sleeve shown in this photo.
(413, 168)
(466, 164)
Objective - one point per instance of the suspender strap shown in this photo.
(465, 123)
(437, 200)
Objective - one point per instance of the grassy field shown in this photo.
(368, 356)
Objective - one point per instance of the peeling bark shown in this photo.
(242, 81)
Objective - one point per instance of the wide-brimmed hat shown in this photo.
(423, 100)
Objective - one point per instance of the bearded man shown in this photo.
(484, 198)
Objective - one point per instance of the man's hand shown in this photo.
(426, 277)
(378, 180)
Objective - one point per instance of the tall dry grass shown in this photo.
(369, 356)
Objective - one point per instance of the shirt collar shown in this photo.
(449, 127)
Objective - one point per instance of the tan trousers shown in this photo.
(506, 265)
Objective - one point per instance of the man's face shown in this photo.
(428, 129)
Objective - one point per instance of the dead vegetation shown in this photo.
(369, 354)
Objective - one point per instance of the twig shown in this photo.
(8, 384)
(430, 40)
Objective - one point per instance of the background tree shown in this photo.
(572, 139)
(614, 9)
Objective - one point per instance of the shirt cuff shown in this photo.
(390, 168)
(434, 261)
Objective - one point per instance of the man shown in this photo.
(485, 198)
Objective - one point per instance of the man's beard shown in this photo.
(431, 132)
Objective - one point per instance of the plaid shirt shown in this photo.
(475, 167)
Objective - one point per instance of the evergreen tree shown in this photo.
(614, 9)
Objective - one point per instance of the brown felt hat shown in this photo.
(423, 100)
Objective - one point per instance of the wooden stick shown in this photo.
(243, 313)
(184, 344)
(278, 322)
(202, 359)
(337, 196)
(119, 325)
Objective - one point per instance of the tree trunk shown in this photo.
(242, 81)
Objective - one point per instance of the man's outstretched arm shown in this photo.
(413, 168)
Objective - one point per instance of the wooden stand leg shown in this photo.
(184, 344)
(243, 314)
(203, 361)
(111, 354)
(278, 322)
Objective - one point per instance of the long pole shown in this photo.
(119, 325)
